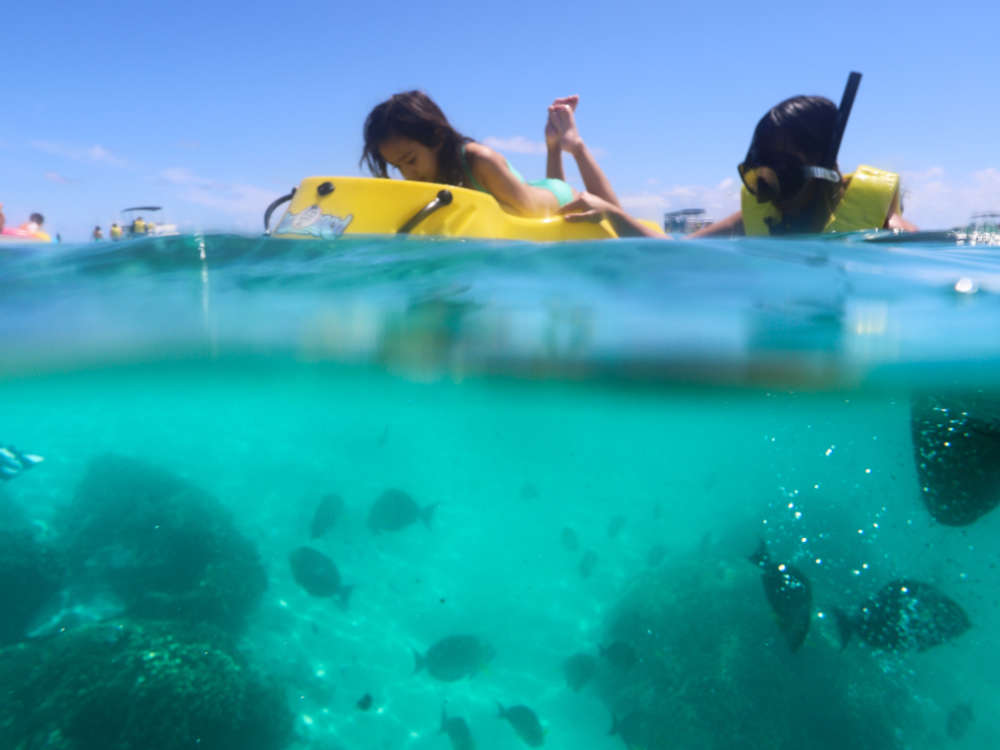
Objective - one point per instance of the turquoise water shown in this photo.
(700, 396)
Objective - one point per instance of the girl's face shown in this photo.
(414, 160)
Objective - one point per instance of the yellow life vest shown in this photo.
(865, 204)
(116, 232)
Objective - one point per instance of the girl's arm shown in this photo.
(492, 172)
(732, 224)
(588, 207)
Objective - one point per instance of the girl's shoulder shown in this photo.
(478, 152)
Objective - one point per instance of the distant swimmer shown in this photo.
(97, 234)
(13, 462)
(115, 232)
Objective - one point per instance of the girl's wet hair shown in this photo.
(414, 115)
(802, 123)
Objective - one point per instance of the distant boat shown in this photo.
(134, 224)
(685, 221)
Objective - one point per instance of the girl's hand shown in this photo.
(588, 207)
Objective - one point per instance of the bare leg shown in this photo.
(563, 123)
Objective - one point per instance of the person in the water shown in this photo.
(13, 461)
(409, 132)
(791, 184)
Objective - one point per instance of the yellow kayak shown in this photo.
(328, 207)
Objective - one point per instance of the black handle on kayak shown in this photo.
(274, 204)
(444, 197)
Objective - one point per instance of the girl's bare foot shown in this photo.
(554, 132)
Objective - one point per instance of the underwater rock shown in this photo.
(959, 719)
(167, 549)
(328, 512)
(956, 445)
(125, 684)
(454, 657)
(578, 670)
(620, 655)
(789, 593)
(714, 677)
(587, 563)
(458, 732)
(569, 539)
(525, 723)
(905, 615)
(395, 510)
(317, 574)
(30, 575)
(615, 526)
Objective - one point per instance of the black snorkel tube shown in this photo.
(840, 124)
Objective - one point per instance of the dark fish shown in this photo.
(956, 445)
(656, 555)
(959, 719)
(13, 462)
(578, 669)
(905, 615)
(587, 563)
(525, 723)
(620, 655)
(633, 729)
(365, 702)
(454, 657)
(457, 731)
(327, 514)
(569, 539)
(395, 510)
(790, 595)
(615, 526)
(316, 573)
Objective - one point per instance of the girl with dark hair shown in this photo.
(788, 188)
(409, 132)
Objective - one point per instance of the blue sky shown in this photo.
(213, 108)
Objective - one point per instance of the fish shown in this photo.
(959, 719)
(525, 723)
(633, 728)
(956, 446)
(317, 574)
(620, 655)
(327, 514)
(587, 563)
(569, 539)
(14, 462)
(789, 593)
(454, 657)
(365, 702)
(615, 526)
(578, 670)
(457, 731)
(905, 615)
(395, 510)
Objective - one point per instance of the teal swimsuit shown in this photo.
(560, 189)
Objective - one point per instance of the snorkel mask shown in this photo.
(773, 176)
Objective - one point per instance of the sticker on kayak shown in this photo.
(314, 222)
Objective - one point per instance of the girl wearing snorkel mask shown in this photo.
(791, 182)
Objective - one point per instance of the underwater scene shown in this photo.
(260, 494)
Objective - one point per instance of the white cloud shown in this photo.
(56, 177)
(95, 153)
(517, 144)
(231, 199)
(934, 199)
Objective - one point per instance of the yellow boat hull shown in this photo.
(328, 207)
